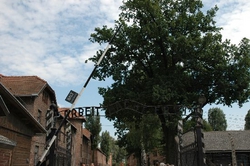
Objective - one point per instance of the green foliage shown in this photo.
(169, 52)
(191, 123)
(247, 121)
(217, 119)
(143, 134)
(106, 144)
(94, 126)
(118, 153)
(207, 126)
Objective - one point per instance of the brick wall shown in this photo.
(5, 156)
(100, 158)
(77, 143)
(38, 107)
(86, 151)
(21, 152)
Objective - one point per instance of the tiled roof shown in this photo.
(23, 85)
(222, 140)
(86, 133)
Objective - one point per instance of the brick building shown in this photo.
(24, 129)
(17, 128)
(100, 158)
(76, 123)
(153, 158)
(36, 96)
(86, 147)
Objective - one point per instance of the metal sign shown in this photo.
(71, 96)
(84, 111)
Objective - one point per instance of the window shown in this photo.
(39, 114)
(45, 97)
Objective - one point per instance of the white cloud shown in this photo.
(233, 16)
(49, 38)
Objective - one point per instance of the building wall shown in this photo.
(5, 156)
(14, 129)
(152, 159)
(77, 145)
(86, 151)
(131, 160)
(100, 158)
(37, 106)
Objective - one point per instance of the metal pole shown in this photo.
(75, 101)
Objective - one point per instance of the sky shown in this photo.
(50, 39)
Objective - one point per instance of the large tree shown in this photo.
(217, 119)
(169, 52)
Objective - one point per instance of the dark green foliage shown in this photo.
(119, 154)
(190, 125)
(247, 121)
(217, 119)
(169, 52)
(106, 144)
(94, 126)
(143, 134)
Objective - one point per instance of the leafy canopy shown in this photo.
(94, 126)
(169, 52)
(106, 144)
(217, 119)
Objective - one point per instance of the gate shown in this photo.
(191, 143)
(188, 150)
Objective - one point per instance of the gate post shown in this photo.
(180, 133)
(199, 133)
(201, 146)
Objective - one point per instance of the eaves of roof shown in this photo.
(20, 110)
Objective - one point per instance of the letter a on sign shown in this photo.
(71, 97)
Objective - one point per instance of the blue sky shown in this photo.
(49, 38)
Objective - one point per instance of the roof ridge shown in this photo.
(25, 76)
(31, 84)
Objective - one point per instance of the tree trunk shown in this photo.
(171, 147)
(169, 133)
